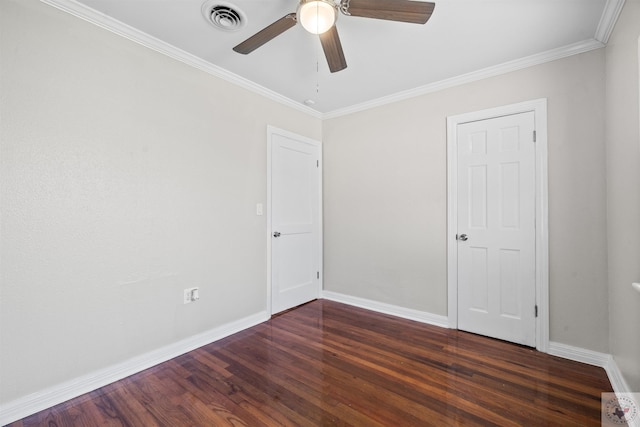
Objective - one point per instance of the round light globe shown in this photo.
(317, 16)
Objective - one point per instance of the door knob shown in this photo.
(276, 234)
(463, 237)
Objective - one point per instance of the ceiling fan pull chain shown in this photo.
(344, 7)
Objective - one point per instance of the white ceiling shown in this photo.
(463, 39)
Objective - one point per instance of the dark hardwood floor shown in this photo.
(326, 363)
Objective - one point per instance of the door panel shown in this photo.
(496, 210)
(479, 274)
(509, 263)
(295, 220)
(478, 197)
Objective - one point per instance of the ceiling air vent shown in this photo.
(223, 16)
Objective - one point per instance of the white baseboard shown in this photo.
(603, 360)
(620, 387)
(578, 354)
(30, 404)
(615, 377)
(394, 310)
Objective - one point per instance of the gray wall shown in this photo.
(385, 195)
(125, 177)
(623, 191)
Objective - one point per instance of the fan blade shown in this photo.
(333, 50)
(415, 12)
(266, 34)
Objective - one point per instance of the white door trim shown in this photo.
(272, 130)
(539, 107)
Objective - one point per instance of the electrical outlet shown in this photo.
(190, 295)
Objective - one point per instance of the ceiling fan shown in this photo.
(319, 17)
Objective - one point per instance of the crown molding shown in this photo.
(113, 25)
(608, 20)
(506, 67)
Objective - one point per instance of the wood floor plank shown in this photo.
(375, 359)
(326, 363)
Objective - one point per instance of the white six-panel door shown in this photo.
(295, 219)
(496, 227)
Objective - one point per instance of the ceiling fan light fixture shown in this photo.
(317, 16)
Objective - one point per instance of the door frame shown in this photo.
(539, 108)
(272, 130)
